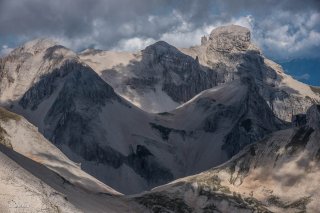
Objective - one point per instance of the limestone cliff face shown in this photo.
(230, 52)
(313, 117)
(157, 79)
(84, 116)
(229, 39)
(161, 77)
(25, 65)
(179, 75)
(80, 114)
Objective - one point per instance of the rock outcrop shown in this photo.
(229, 39)
(313, 117)
(230, 52)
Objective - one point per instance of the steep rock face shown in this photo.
(313, 117)
(25, 65)
(299, 120)
(217, 124)
(83, 116)
(167, 73)
(75, 120)
(66, 103)
(230, 52)
(256, 120)
(278, 174)
(229, 38)
(36, 176)
(182, 77)
(158, 78)
(114, 141)
(22, 137)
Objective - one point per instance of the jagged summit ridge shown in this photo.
(161, 46)
(27, 64)
(35, 46)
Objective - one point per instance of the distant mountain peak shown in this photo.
(161, 47)
(161, 44)
(35, 46)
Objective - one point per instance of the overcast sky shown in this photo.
(282, 28)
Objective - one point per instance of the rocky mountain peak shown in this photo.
(35, 46)
(313, 116)
(161, 48)
(229, 38)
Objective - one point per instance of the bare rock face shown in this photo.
(230, 53)
(204, 40)
(163, 69)
(258, 179)
(180, 76)
(299, 120)
(67, 101)
(163, 72)
(79, 112)
(230, 38)
(313, 117)
(25, 66)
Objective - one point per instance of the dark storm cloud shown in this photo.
(71, 18)
(133, 23)
(77, 17)
(267, 6)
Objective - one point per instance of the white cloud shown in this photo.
(186, 38)
(5, 50)
(133, 44)
(313, 20)
(281, 35)
(183, 35)
(287, 36)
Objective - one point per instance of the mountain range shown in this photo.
(215, 128)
